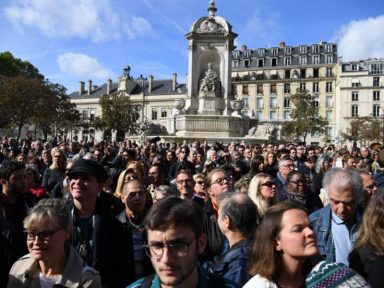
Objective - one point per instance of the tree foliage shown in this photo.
(27, 98)
(364, 129)
(305, 117)
(119, 113)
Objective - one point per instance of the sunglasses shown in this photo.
(269, 184)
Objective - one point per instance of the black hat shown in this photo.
(89, 167)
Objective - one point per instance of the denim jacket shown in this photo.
(321, 222)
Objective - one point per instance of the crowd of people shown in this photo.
(108, 214)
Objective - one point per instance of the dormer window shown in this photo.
(288, 51)
(261, 52)
(275, 51)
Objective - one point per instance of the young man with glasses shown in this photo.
(175, 243)
(185, 185)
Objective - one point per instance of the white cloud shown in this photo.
(362, 39)
(261, 26)
(88, 19)
(138, 27)
(82, 65)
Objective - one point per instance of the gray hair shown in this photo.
(165, 189)
(320, 162)
(283, 160)
(345, 177)
(241, 211)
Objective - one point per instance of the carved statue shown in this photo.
(211, 81)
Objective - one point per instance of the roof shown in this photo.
(159, 87)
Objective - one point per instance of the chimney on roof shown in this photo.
(81, 91)
(282, 44)
(174, 82)
(243, 48)
(150, 83)
(109, 86)
(89, 87)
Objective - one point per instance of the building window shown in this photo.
(272, 115)
(355, 67)
(315, 87)
(355, 83)
(328, 87)
(302, 87)
(376, 95)
(259, 103)
(260, 62)
(303, 49)
(287, 102)
(272, 102)
(273, 62)
(329, 115)
(315, 49)
(328, 131)
(259, 115)
(235, 63)
(328, 48)
(288, 50)
(246, 103)
(287, 61)
(355, 96)
(275, 51)
(316, 102)
(287, 74)
(92, 114)
(261, 52)
(246, 63)
(273, 88)
(376, 110)
(315, 59)
(85, 114)
(355, 111)
(329, 59)
(316, 72)
(287, 88)
(236, 54)
(303, 73)
(329, 101)
(376, 81)
(329, 72)
(163, 112)
(245, 89)
(303, 60)
(376, 69)
(287, 115)
(154, 113)
(260, 89)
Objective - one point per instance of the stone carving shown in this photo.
(210, 26)
(237, 105)
(210, 82)
(179, 106)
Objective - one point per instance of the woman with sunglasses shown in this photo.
(52, 262)
(262, 191)
(297, 190)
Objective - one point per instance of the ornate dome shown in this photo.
(212, 23)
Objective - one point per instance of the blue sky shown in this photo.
(73, 40)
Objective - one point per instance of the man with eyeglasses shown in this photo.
(285, 166)
(175, 243)
(96, 234)
(369, 185)
(185, 185)
(133, 236)
(14, 205)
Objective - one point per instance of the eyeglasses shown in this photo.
(288, 165)
(300, 181)
(269, 184)
(221, 181)
(179, 249)
(181, 182)
(45, 235)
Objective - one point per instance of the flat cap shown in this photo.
(89, 167)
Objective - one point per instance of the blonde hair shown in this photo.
(121, 181)
(54, 166)
(255, 195)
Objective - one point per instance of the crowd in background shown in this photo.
(318, 207)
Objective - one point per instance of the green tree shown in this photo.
(364, 129)
(12, 67)
(305, 117)
(119, 113)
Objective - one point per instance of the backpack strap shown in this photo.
(147, 283)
